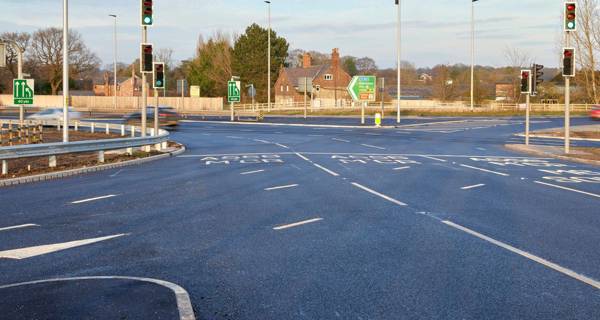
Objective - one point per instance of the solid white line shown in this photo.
(568, 189)
(371, 146)
(234, 137)
(373, 134)
(473, 187)
(251, 172)
(292, 225)
(303, 157)
(527, 255)
(281, 145)
(434, 158)
(94, 199)
(379, 194)
(485, 170)
(341, 140)
(281, 187)
(19, 226)
(402, 168)
(326, 170)
(316, 135)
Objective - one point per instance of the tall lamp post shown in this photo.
(269, 58)
(473, 54)
(65, 71)
(399, 49)
(114, 60)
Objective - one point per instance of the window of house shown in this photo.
(328, 77)
(281, 88)
(287, 88)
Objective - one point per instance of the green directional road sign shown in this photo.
(363, 88)
(23, 91)
(234, 89)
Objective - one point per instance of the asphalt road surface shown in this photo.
(431, 220)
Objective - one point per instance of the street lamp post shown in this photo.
(473, 55)
(399, 49)
(65, 71)
(114, 61)
(269, 58)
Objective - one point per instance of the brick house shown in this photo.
(131, 87)
(329, 82)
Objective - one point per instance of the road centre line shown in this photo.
(473, 186)
(379, 194)
(29, 225)
(371, 146)
(434, 158)
(372, 134)
(296, 224)
(94, 199)
(527, 255)
(326, 170)
(485, 170)
(281, 187)
(568, 189)
(402, 168)
(252, 172)
(340, 140)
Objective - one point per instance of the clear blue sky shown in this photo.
(435, 31)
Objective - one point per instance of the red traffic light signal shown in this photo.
(569, 62)
(146, 58)
(525, 81)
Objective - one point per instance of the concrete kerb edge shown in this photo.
(290, 124)
(542, 136)
(184, 304)
(73, 172)
(521, 149)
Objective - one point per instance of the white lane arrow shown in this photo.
(25, 253)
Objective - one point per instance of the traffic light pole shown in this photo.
(527, 117)
(155, 112)
(65, 71)
(568, 104)
(144, 88)
(305, 97)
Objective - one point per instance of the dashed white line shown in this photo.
(402, 168)
(316, 135)
(94, 199)
(326, 170)
(29, 225)
(234, 137)
(281, 187)
(251, 172)
(282, 145)
(473, 186)
(303, 157)
(527, 255)
(379, 194)
(568, 189)
(372, 134)
(262, 141)
(434, 158)
(372, 146)
(340, 140)
(485, 170)
(296, 224)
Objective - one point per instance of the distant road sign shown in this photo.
(234, 89)
(195, 91)
(23, 91)
(363, 88)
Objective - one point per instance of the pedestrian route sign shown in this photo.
(23, 91)
(363, 88)
(234, 89)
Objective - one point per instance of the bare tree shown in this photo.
(46, 54)
(443, 84)
(516, 60)
(586, 40)
(166, 55)
(366, 65)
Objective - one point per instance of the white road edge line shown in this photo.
(184, 304)
(473, 186)
(527, 255)
(94, 199)
(281, 187)
(379, 194)
(568, 189)
(251, 172)
(402, 168)
(434, 158)
(326, 170)
(485, 170)
(296, 224)
(372, 146)
(29, 225)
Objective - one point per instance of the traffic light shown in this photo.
(158, 75)
(526, 81)
(146, 58)
(147, 13)
(537, 77)
(570, 16)
(569, 62)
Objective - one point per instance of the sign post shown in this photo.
(363, 89)
(234, 89)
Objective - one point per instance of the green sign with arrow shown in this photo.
(23, 91)
(234, 91)
(363, 88)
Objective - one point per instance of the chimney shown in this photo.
(335, 57)
(306, 60)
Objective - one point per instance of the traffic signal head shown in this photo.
(158, 75)
(569, 62)
(526, 81)
(537, 77)
(147, 12)
(570, 16)
(146, 58)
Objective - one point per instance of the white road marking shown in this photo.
(568, 189)
(402, 168)
(234, 137)
(372, 146)
(340, 140)
(485, 170)
(316, 135)
(263, 141)
(94, 199)
(252, 172)
(434, 158)
(379, 194)
(20, 226)
(247, 130)
(303, 157)
(282, 145)
(473, 186)
(296, 224)
(527, 255)
(481, 149)
(281, 187)
(116, 173)
(25, 253)
(326, 170)
(373, 134)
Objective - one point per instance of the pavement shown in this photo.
(435, 220)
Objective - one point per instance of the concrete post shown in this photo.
(132, 128)
(52, 161)
(4, 167)
(122, 130)
(92, 127)
(107, 129)
(101, 156)
(76, 125)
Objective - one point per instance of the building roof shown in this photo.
(294, 74)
